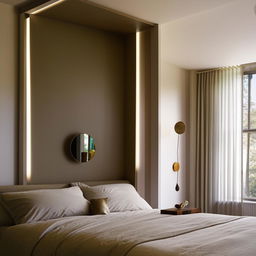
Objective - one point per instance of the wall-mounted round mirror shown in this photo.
(83, 147)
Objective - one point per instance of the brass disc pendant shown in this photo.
(176, 166)
(179, 127)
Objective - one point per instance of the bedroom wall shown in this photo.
(147, 166)
(77, 86)
(8, 95)
(173, 107)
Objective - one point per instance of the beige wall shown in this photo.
(8, 95)
(77, 86)
(146, 175)
(191, 148)
(173, 107)
(130, 98)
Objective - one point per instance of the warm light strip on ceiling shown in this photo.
(137, 120)
(28, 102)
(46, 6)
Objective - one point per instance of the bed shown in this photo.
(130, 233)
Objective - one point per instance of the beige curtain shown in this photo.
(218, 175)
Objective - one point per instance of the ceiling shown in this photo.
(224, 36)
(157, 11)
(196, 34)
(161, 11)
(87, 14)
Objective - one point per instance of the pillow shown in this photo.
(45, 204)
(5, 218)
(99, 206)
(121, 197)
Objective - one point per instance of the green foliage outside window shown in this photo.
(249, 134)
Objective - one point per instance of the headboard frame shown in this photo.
(17, 188)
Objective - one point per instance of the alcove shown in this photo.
(88, 69)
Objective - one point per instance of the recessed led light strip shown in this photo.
(28, 157)
(45, 6)
(137, 120)
(28, 101)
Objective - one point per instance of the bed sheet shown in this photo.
(133, 234)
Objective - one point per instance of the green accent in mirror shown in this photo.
(83, 148)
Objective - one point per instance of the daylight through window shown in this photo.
(249, 135)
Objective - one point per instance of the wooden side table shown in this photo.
(175, 211)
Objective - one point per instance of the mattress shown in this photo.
(137, 233)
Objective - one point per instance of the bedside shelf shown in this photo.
(175, 211)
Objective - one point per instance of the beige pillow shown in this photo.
(121, 197)
(45, 204)
(99, 206)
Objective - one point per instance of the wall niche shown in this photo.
(84, 64)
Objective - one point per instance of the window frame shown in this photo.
(248, 131)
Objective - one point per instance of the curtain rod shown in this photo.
(215, 69)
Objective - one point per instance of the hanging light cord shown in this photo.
(178, 143)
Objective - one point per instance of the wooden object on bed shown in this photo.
(175, 211)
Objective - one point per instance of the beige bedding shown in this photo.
(133, 234)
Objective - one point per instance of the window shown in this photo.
(249, 135)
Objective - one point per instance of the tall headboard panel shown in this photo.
(16, 188)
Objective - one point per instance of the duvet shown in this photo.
(135, 233)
